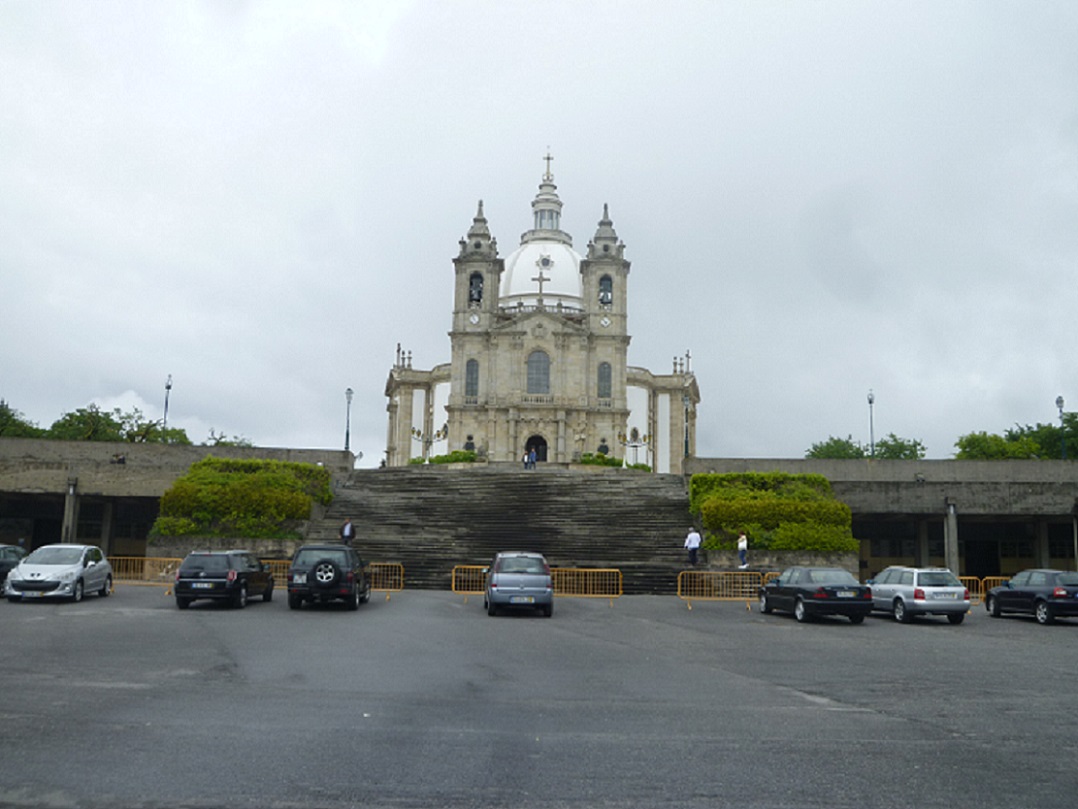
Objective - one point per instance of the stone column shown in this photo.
(71, 511)
(107, 512)
(1042, 557)
(921, 556)
(950, 538)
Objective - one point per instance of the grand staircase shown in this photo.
(431, 518)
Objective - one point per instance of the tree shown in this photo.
(841, 448)
(88, 424)
(216, 439)
(14, 425)
(893, 448)
(984, 446)
(94, 424)
(1050, 437)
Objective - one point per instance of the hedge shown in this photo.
(242, 498)
(777, 511)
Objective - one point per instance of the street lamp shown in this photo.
(426, 440)
(348, 419)
(1062, 435)
(634, 441)
(168, 390)
(871, 425)
(685, 402)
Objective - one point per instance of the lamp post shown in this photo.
(426, 440)
(685, 402)
(871, 425)
(348, 419)
(1062, 435)
(634, 441)
(168, 390)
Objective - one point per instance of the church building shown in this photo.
(539, 358)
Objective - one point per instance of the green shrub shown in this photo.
(777, 511)
(242, 498)
(456, 456)
(599, 459)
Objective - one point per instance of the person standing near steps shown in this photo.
(692, 544)
(743, 550)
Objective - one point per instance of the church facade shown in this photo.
(539, 358)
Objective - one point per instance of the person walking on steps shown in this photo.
(692, 544)
(348, 531)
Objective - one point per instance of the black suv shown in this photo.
(328, 573)
(231, 576)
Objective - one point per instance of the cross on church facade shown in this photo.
(541, 279)
(548, 158)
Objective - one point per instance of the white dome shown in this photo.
(560, 266)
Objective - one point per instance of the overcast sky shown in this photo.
(818, 199)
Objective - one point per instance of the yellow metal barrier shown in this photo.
(469, 580)
(718, 585)
(279, 569)
(976, 588)
(386, 576)
(988, 582)
(587, 582)
(144, 569)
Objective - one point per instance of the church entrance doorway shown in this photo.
(538, 443)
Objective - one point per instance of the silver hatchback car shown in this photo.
(519, 579)
(60, 571)
(909, 591)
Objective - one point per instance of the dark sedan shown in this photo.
(10, 555)
(811, 591)
(1044, 594)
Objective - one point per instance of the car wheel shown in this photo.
(183, 603)
(765, 608)
(1043, 613)
(857, 619)
(14, 599)
(902, 615)
(76, 596)
(492, 609)
(326, 573)
(992, 605)
(294, 601)
(353, 600)
(241, 598)
(800, 613)
(956, 617)
(363, 599)
(548, 610)
(268, 595)
(106, 589)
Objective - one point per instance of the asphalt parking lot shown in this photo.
(425, 701)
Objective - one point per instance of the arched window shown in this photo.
(475, 288)
(604, 380)
(538, 372)
(471, 378)
(606, 290)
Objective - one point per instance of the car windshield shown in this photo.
(205, 563)
(938, 578)
(831, 577)
(522, 564)
(308, 556)
(55, 556)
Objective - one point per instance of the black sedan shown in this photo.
(811, 591)
(10, 555)
(1044, 594)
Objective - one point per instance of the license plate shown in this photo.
(300, 578)
(845, 593)
(522, 600)
(33, 593)
(202, 585)
(946, 595)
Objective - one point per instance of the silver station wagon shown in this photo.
(906, 592)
